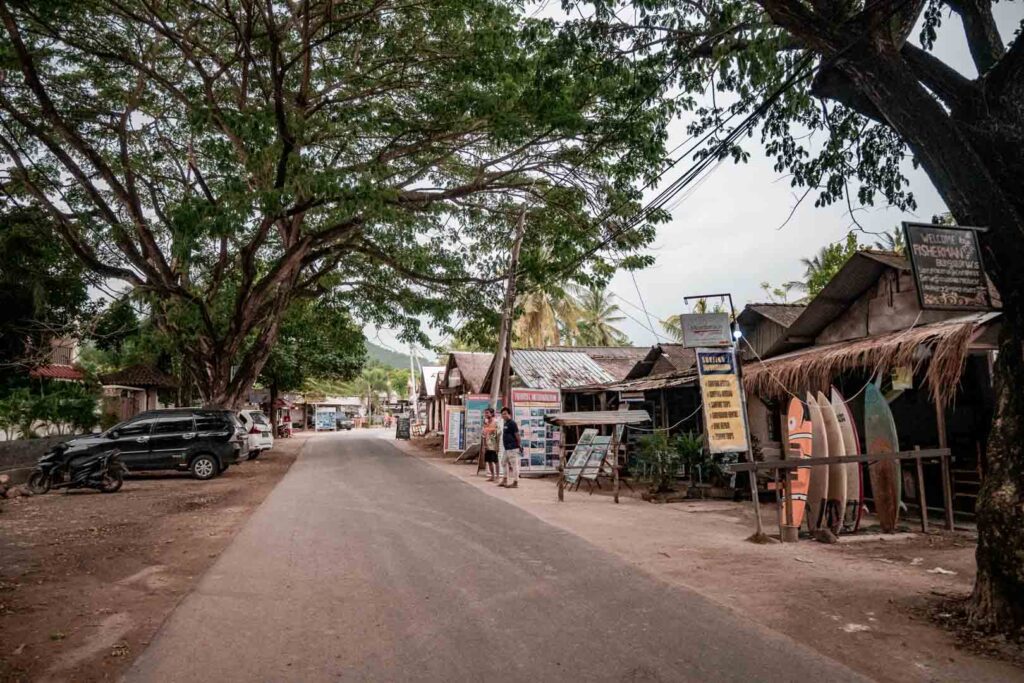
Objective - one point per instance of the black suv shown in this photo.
(204, 442)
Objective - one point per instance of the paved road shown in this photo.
(365, 564)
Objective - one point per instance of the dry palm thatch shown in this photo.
(942, 346)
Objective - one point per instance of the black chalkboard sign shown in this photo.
(948, 269)
(403, 428)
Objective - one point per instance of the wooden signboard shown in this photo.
(724, 419)
(948, 269)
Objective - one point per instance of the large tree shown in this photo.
(841, 91)
(226, 158)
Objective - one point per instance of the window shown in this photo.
(174, 425)
(211, 423)
(258, 418)
(137, 428)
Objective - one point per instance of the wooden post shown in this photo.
(614, 451)
(561, 468)
(947, 489)
(752, 477)
(787, 491)
(921, 498)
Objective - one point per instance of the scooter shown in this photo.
(101, 471)
(284, 431)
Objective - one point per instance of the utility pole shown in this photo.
(502, 354)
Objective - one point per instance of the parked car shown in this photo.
(204, 442)
(260, 436)
(344, 422)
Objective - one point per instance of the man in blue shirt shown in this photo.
(512, 449)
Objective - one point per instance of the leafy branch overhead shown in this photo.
(228, 158)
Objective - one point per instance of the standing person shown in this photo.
(513, 449)
(489, 439)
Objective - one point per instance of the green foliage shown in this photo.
(661, 460)
(317, 339)
(63, 406)
(381, 156)
(821, 268)
(701, 465)
(43, 291)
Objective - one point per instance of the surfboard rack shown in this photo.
(918, 455)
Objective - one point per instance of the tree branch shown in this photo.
(955, 90)
(982, 34)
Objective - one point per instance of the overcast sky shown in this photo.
(725, 237)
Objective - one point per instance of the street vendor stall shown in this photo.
(594, 454)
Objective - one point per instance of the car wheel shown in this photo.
(254, 454)
(204, 467)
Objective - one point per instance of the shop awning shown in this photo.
(598, 417)
(943, 346)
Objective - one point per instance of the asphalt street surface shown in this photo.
(366, 564)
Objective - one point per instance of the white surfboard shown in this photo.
(836, 499)
(854, 482)
(818, 491)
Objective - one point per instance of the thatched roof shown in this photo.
(472, 366)
(942, 346)
(783, 314)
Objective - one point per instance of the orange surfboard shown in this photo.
(799, 429)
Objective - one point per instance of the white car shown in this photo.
(261, 437)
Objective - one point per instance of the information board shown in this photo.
(706, 329)
(580, 454)
(324, 419)
(474, 419)
(453, 428)
(540, 440)
(723, 402)
(947, 266)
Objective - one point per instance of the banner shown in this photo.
(723, 402)
(706, 329)
(474, 420)
(540, 440)
(947, 267)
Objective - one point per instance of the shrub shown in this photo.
(656, 453)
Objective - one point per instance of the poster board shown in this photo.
(724, 419)
(948, 270)
(403, 428)
(580, 455)
(453, 428)
(324, 420)
(540, 440)
(474, 418)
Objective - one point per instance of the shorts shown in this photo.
(491, 456)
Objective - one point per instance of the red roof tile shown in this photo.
(58, 372)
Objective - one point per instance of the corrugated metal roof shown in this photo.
(556, 369)
(783, 314)
(598, 417)
(617, 361)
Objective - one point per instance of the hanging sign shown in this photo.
(723, 403)
(947, 267)
(706, 329)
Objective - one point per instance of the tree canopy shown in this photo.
(225, 159)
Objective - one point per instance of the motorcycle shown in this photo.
(284, 431)
(101, 471)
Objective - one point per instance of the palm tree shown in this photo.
(547, 316)
(891, 241)
(597, 318)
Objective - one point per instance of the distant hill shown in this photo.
(391, 359)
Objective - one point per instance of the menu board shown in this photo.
(403, 428)
(540, 440)
(580, 455)
(723, 404)
(947, 267)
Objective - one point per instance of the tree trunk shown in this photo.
(272, 394)
(974, 162)
(997, 602)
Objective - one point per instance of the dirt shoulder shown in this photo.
(86, 579)
(861, 601)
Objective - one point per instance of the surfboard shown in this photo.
(854, 476)
(817, 493)
(835, 502)
(880, 437)
(799, 430)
